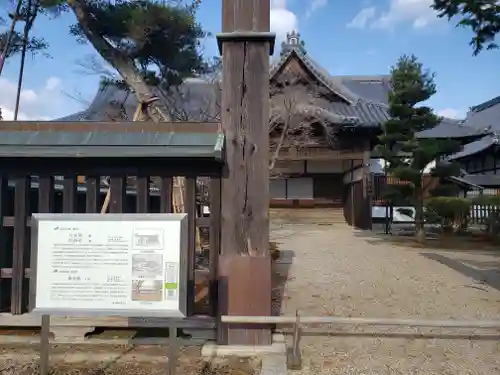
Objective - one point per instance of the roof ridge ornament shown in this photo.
(293, 42)
(293, 38)
(496, 140)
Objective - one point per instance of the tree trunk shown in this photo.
(278, 146)
(122, 63)
(419, 215)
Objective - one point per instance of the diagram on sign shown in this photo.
(147, 239)
(149, 266)
(147, 290)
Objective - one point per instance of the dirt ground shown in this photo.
(119, 360)
(334, 270)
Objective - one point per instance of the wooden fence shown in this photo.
(23, 196)
(381, 181)
(39, 179)
(479, 213)
(482, 213)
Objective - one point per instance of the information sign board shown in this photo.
(132, 265)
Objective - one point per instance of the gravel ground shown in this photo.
(119, 360)
(336, 270)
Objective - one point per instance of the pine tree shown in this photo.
(12, 40)
(406, 155)
(481, 16)
(148, 42)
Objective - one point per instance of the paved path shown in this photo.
(337, 271)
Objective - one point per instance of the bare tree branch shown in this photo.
(94, 65)
(77, 97)
(294, 118)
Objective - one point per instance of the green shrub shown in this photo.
(493, 200)
(445, 190)
(448, 211)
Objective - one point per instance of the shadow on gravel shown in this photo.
(486, 272)
(280, 269)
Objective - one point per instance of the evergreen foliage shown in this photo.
(481, 16)
(406, 155)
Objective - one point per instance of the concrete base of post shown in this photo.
(277, 347)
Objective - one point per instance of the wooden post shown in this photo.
(367, 197)
(245, 263)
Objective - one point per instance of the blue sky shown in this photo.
(346, 37)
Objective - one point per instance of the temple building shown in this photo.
(322, 130)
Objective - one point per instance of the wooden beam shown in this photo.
(8, 221)
(4, 236)
(245, 44)
(166, 188)
(92, 183)
(214, 237)
(99, 126)
(190, 209)
(142, 199)
(21, 244)
(110, 166)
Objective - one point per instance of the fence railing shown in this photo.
(479, 214)
(482, 213)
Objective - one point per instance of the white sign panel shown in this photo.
(111, 264)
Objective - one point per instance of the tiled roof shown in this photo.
(79, 116)
(475, 147)
(485, 116)
(320, 73)
(365, 97)
(483, 180)
(464, 181)
(368, 114)
(449, 127)
(486, 104)
(365, 102)
(195, 100)
(373, 88)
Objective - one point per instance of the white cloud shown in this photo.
(418, 13)
(283, 20)
(315, 5)
(361, 20)
(452, 113)
(34, 104)
(52, 83)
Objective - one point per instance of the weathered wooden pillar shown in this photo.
(367, 193)
(245, 263)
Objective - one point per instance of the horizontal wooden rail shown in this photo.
(34, 320)
(294, 357)
(292, 320)
(6, 273)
